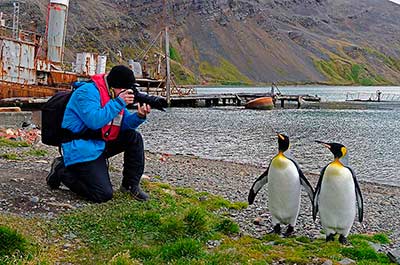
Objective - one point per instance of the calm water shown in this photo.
(240, 135)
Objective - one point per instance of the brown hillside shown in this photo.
(302, 41)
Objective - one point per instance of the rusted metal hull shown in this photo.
(260, 103)
(13, 90)
(60, 78)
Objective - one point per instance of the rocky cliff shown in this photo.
(245, 41)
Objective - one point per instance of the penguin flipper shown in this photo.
(257, 185)
(305, 183)
(307, 186)
(360, 201)
(316, 194)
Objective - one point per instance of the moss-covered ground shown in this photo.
(177, 226)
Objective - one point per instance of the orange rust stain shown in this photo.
(12, 90)
(62, 78)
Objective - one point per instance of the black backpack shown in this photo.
(52, 117)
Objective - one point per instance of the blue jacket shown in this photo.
(84, 111)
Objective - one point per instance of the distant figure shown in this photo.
(336, 195)
(379, 93)
(273, 86)
(284, 178)
(273, 89)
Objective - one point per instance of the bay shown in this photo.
(247, 136)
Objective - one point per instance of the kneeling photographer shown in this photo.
(100, 106)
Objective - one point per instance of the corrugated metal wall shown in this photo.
(17, 62)
(90, 63)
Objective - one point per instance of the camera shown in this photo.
(155, 102)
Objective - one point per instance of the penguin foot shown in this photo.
(330, 237)
(289, 231)
(343, 240)
(276, 230)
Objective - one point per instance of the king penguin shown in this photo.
(336, 194)
(284, 178)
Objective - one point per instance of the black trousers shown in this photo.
(92, 180)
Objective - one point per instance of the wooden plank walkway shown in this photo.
(192, 100)
(237, 99)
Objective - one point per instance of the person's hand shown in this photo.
(127, 96)
(143, 110)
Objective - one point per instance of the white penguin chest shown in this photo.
(337, 197)
(284, 190)
(338, 182)
(283, 177)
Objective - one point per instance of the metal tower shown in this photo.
(15, 28)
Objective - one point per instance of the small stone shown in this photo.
(376, 246)
(35, 199)
(394, 255)
(203, 198)
(70, 236)
(146, 177)
(347, 261)
(67, 245)
(257, 220)
(213, 243)
(327, 262)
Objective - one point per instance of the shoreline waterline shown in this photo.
(240, 135)
(309, 174)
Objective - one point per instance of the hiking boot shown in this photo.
(136, 192)
(52, 179)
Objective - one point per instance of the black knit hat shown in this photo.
(121, 76)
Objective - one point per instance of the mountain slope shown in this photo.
(297, 41)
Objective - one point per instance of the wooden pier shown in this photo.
(237, 99)
(192, 100)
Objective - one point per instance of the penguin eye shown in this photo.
(344, 151)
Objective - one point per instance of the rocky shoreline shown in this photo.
(23, 191)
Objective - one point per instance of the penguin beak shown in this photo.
(280, 136)
(324, 144)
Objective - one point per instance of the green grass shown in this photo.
(174, 54)
(182, 76)
(12, 143)
(14, 248)
(31, 152)
(362, 251)
(36, 153)
(174, 227)
(223, 73)
(10, 156)
(11, 242)
(387, 60)
(349, 73)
